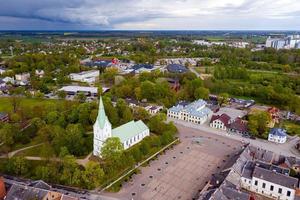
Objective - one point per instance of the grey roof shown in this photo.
(20, 192)
(248, 169)
(176, 68)
(275, 177)
(278, 132)
(40, 184)
(197, 108)
(3, 114)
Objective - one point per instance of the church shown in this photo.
(129, 134)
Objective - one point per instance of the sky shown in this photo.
(150, 15)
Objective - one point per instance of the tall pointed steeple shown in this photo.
(101, 118)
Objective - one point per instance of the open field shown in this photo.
(6, 105)
(184, 170)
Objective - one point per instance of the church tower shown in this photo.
(102, 129)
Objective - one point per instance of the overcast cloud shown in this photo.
(150, 14)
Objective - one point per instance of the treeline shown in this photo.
(273, 89)
(65, 169)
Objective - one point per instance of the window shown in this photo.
(288, 193)
(271, 187)
(255, 183)
(279, 190)
(264, 185)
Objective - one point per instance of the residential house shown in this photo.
(239, 126)
(2, 83)
(4, 117)
(40, 73)
(220, 122)
(2, 70)
(8, 80)
(274, 113)
(24, 77)
(195, 112)
(154, 109)
(277, 135)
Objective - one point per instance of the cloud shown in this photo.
(150, 14)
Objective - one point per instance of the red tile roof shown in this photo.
(223, 118)
(2, 188)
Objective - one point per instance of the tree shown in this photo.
(145, 147)
(52, 117)
(80, 97)
(42, 173)
(61, 94)
(7, 133)
(15, 102)
(258, 123)
(112, 149)
(70, 174)
(201, 93)
(93, 175)
(156, 123)
(18, 165)
(74, 140)
(223, 98)
(141, 114)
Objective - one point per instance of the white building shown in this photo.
(24, 77)
(129, 134)
(289, 42)
(277, 135)
(86, 76)
(8, 80)
(268, 180)
(154, 109)
(220, 122)
(40, 73)
(88, 91)
(2, 71)
(195, 112)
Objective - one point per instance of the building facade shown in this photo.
(277, 135)
(129, 134)
(270, 181)
(195, 112)
(86, 76)
(220, 122)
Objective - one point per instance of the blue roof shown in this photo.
(197, 108)
(139, 66)
(176, 68)
(278, 132)
(99, 63)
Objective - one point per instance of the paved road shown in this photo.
(286, 149)
(11, 154)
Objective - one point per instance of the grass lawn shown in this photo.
(39, 151)
(292, 128)
(5, 103)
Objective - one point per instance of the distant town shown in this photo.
(158, 115)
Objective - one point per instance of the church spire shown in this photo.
(101, 114)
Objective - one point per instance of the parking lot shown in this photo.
(184, 170)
